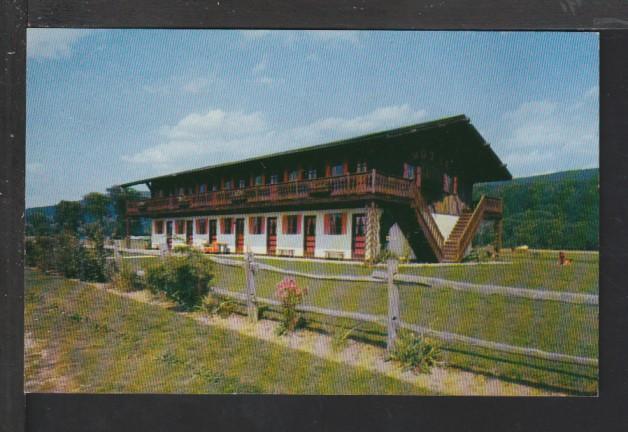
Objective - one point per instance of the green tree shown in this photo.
(119, 197)
(97, 206)
(68, 215)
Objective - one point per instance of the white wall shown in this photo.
(445, 223)
(257, 242)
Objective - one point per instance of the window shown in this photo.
(190, 190)
(408, 171)
(335, 223)
(228, 184)
(181, 191)
(201, 226)
(159, 227)
(274, 179)
(293, 175)
(180, 227)
(242, 183)
(160, 193)
(337, 170)
(291, 224)
(202, 188)
(311, 174)
(360, 167)
(259, 180)
(256, 225)
(227, 225)
(214, 188)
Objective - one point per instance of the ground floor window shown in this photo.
(227, 225)
(335, 223)
(256, 225)
(291, 224)
(180, 227)
(201, 226)
(159, 227)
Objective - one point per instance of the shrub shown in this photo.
(290, 295)
(127, 279)
(384, 255)
(68, 255)
(184, 279)
(216, 305)
(415, 352)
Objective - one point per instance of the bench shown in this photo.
(285, 252)
(332, 254)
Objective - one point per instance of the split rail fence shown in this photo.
(392, 320)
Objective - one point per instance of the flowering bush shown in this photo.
(290, 295)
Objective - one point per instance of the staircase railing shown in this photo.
(428, 224)
(471, 228)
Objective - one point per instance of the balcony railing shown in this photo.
(346, 185)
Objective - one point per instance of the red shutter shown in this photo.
(405, 170)
(299, 223)
(285, 176)
(222, 183)
(284, 224)
(252, 180)
(455, 185)
(327, 169)
(222, 225)
(345, 167)
(343, 218)
(445, 183)
(251, 225)
(326, 223)
(263, 180)
(300, 172)
(262, 220)
(418, 176)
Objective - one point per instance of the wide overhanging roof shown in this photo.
(501, 174)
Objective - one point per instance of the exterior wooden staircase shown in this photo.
(454, 247)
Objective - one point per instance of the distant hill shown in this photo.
(47, 211)
(554, 211)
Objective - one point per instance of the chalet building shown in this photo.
(408, 190)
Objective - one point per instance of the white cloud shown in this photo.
(45, 43)
(546, 136)
(219, 136)
(196, 85)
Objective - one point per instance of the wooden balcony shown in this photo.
(370, 184)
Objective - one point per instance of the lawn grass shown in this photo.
(91, 341)
(546, 325)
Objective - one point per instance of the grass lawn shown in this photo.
(549, 326)
(82, 339)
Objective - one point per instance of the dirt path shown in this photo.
(444, 380)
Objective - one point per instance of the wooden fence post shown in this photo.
(116, 255)
(250, 267)
(393, 304)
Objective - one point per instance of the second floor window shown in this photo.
(408, 171)
(228, 184)
(202, 188)
(214, 188)
(337, 170)
(242, 184)
(360, 167)
(293, 175)
(159, 227)
(274, 179)
(259, 180)
(311, 174)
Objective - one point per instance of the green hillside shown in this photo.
(553, 211)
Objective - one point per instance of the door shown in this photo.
(271, 235)
(309, 235)
(189, 231)
(212, 231)
(358, 236)
(239, 235)
(169, 234)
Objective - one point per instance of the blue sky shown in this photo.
(109, 106)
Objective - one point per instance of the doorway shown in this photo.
(189, 232)
(358, 236)
(271, 235)
(239, 235)
(309, 236)
(169, 234)
(212, 231)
